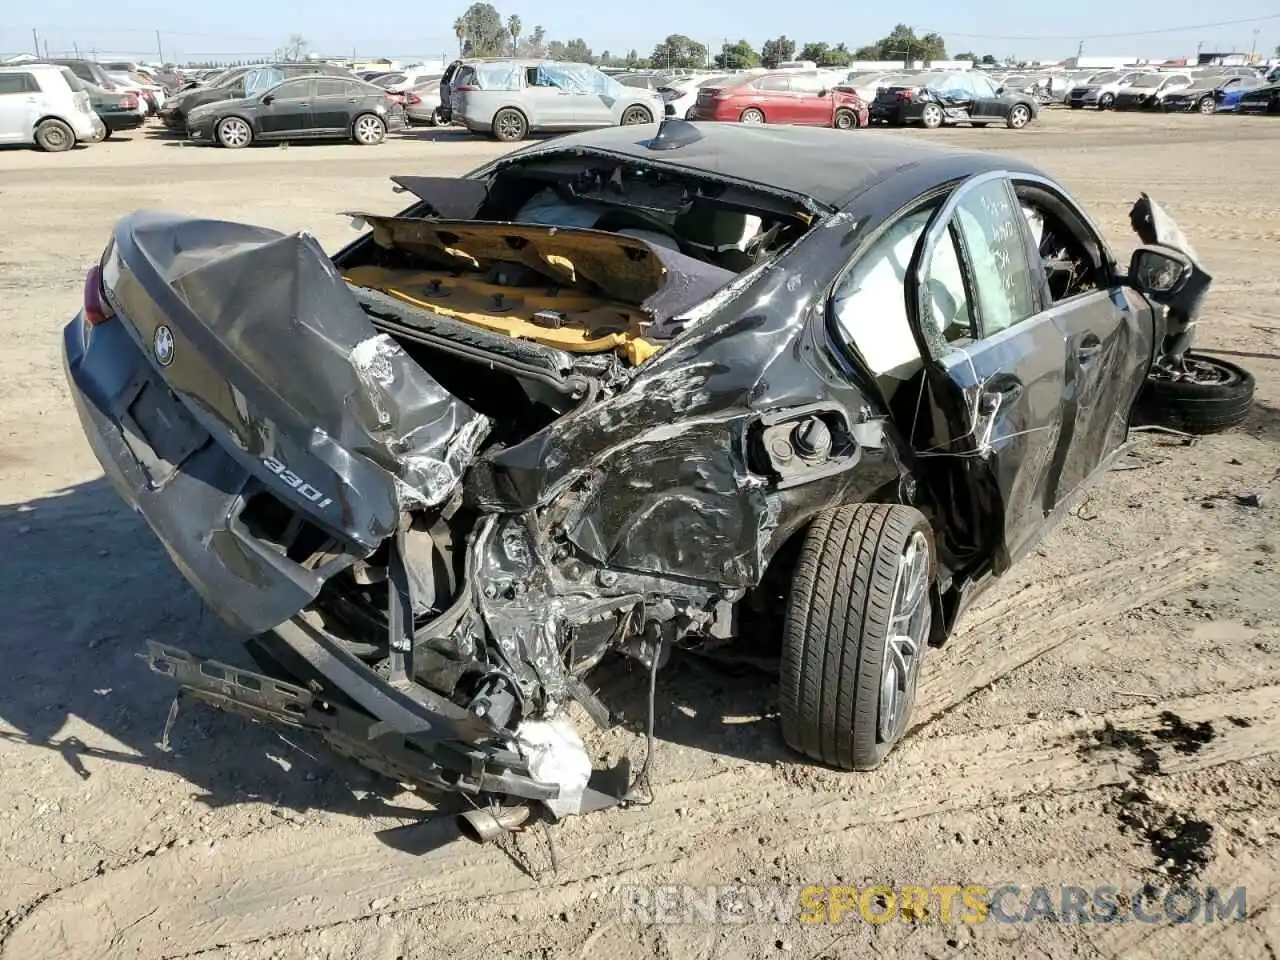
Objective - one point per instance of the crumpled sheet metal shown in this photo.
(278, 304)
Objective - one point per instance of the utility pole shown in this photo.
(35, 42)
(159, 47)
(1253, 47)
(76, 47)
(1079, 52)
(46, 49)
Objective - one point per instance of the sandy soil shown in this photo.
(1106, 716)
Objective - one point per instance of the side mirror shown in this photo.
(823, 92)
(1160, 272)
(999, 90)
(268, 98)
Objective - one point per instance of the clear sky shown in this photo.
(241, 29)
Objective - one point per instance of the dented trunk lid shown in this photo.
(258, 337)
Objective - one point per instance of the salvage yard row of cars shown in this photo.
(61, 102)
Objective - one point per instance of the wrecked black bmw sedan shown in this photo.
(626, 391)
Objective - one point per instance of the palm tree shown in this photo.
(460, 31)
(514, 27)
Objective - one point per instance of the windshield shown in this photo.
(1111, 77)
(1151, 81)
(259, 81)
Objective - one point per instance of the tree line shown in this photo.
(482, 32)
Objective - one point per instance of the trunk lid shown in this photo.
(260, 339)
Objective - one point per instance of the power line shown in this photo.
(1110, 36)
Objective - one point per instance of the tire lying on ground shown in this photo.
(1218, 396)
(857, 624)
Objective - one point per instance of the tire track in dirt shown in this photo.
(1021, 627)
(283, 883)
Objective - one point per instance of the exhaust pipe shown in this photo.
(487, 824)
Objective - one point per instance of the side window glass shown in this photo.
(946, 314)
(332, 87)
(990, 226)
(869, 303)
(13, 83)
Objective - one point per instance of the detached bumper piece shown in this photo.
(432, 763)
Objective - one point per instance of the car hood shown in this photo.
(198, 98)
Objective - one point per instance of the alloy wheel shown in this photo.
(234, 132)
(369, 130)
(910, 617)
(1019, 116)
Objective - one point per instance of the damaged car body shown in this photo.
(620, 392)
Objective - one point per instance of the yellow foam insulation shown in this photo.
(589, 325)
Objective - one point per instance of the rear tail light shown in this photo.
(466, 88)
(129, 102)
(906, 94)
(412, 99)
(96, 308)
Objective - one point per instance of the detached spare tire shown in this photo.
(1209, 395)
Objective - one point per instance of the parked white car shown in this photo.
(38, 106)
(680, 94)
(1101, 90)
(403, 80)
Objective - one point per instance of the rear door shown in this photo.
(19, 104)
(995, 364)
(333, 105)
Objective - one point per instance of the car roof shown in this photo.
(28, 67)
(837, 165)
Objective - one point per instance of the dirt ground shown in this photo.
(1107, 716)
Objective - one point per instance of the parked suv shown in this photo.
(804, 97)
(37, 105)
(254, 80)
(508, 99)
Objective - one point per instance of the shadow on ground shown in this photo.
(89, 584)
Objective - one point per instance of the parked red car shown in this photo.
(803, 97)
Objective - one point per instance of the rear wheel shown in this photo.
(234, 133)
(1205, 396)
(857, 623)
(931, 116)
(751, 115)
(1019, 116)
(368, 129)
(54, 136)
(509, 125)
(845, 119)
(1206, 105)
(634, 115)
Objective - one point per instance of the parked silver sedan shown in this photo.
(509, 99)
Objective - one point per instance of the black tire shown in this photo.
(509, 125)
(836, 628)
(1106, 101)
(107, 135)
(845, 120)
(54, 136)
(1019, 116)
(751, 115)
(1208, 405)
(1206, 105)
(931, 116)
(634, 115)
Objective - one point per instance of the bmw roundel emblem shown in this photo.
(162, 345)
